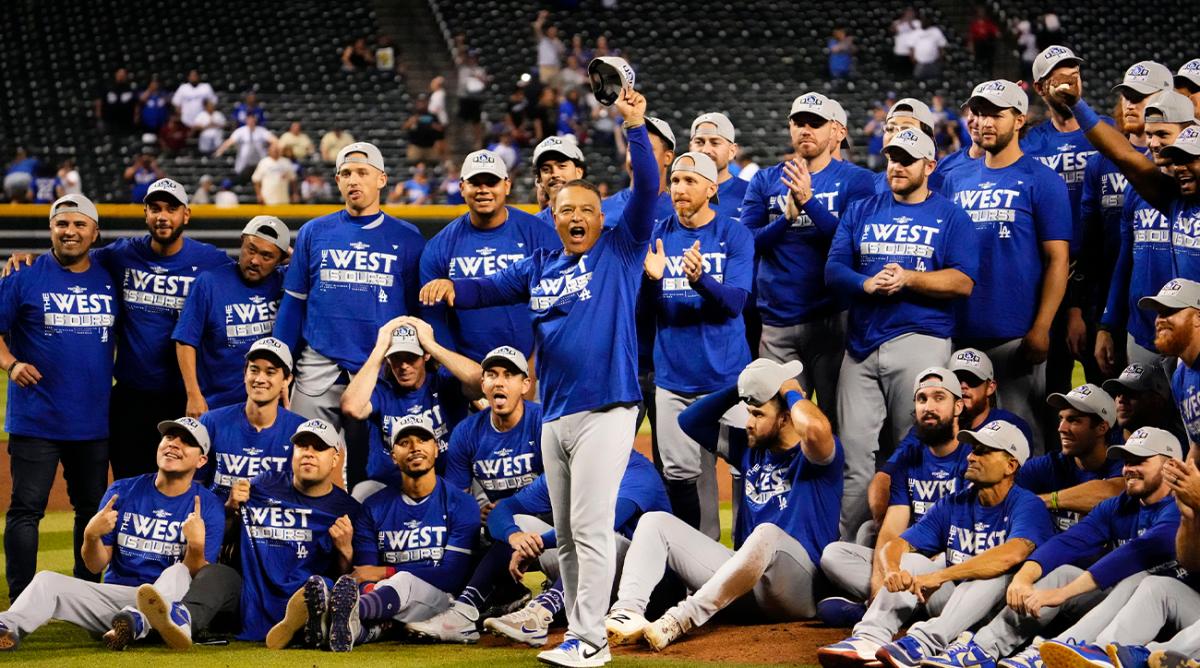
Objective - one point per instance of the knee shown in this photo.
(653, 522)
(402, 582)
(765, 536)
(46, 581)
(835, 553)
(1156, 586)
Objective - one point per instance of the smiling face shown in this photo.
(1143, 475)
(987, 467)
(1080, 432)
(414, 453)
(259, 258)
(313, 462)
(721, 150)
(504, 389)
(1187, 175)
(177, 454)
(1133, 107)
(485, 193)
(360, 185)
(166, 218)
(265, 380)
(1159, 135)
(72, 235)
(895, 124)
(577, 218)
(1174, 330)
(554, 173)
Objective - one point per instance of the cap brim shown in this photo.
(1073, 61)
(429, 436)
(1159, 304)
(1115, 386)
(1139, 88)
(970, 372)
(905, 151)
(404, 348)
(798, 112)
(1187, 82)
(499, 360)
(162, 194)
(1115, 451)
(263, 352)
(1174, 152)
(317, 437)
(167, 425)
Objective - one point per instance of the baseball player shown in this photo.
(152, 528)
(424, 533)
(907, 113)
(556, 162)
(1102, 204)
(57, 317)
(1121, 541)
(791, 463)
(487, 238)
(1178, 307)
(523, 540)
(701, 273)
(927, 465)
(351, 271)
(792, 208)
(409, 386)
(1022, 220)
(984, 530)
(978, 377)
(230, 308)
(1146, 260)
(583, 299)
(252, 437)
(498, 448)
(1143, 396)
(899, 259)
(1072, 481)
(713, 135)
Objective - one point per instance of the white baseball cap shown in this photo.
(271, 347)
(404, 340)
(1170, 107)
(168, 188)
(699, 163)
(483, 162)
(818, 105)
(972, 361)
(506, 356)
(1188, 75)
(1176, 294)
(760, 380)
(608, 76)
(912, 142)
(1186, 146)
(370, 155)
(1052, 57)
(74, 204)
(1087, 398)
(661, 128)
(998, 435)
(322, 430)
(270, 228)
(566, 147)
(1147, 442)
(912, 108)
(194, 428)
(1145, 78)
(938, 376)
(1000, 93)
(721, 126)
(413, 423)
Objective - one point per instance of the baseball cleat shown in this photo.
(172, 621)
(1128, 656)
(456, 625)
(126, 627)
(962, 653)
(1059, 654)
(9, 640)
(530, 625)
(1168, 659)
(344, 624)
(665, 630)
(575, 653)
(624, 627)
(853, 652)
(840, 611)
(1030, 657)
(904, 652)
(307, 609)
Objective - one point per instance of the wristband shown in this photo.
(629, 126)
(1054, 501)
(1087, 118)
(793, 397)
(391, 570)
(12, 366)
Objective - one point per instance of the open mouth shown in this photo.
(577, 232)
(173, 454)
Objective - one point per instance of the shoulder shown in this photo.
(447, 234)
(458, 500)
(1027, 500)
(402, 227)
(220, 416)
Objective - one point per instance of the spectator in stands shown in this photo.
(416, 190)
(901, 48)
(249, 106)
(295, 139)
(315, 189)
(472, 86)
(189, 98)
(46, 186)
(747, 167)
(173, 136)
(357, 57)
(841, 54)
(210, 124)
(437, 107)
(602, 50)
(424, 132)
(982, 36)
(606, 129)
(947, 139)
(874, 133)
(568, 116)
(274, 177)
(927, 46)
(545, 115)
(581, 53)
(116, 104)
(225, 197)
(550, 49)
(573, 75)
(252, 141)
(69, 176)
(385, 56)
(507, 152)
(451, 188)
(19, 175)
(154, 107)
(1050, 31)
(333, 142)
(141, 174)
(205, 190)
(1027, 43)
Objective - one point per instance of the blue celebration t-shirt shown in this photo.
(1184, 384)
(921, 478)
(1145, 263)
(963, 528)
(1067, 154)
(239, 451)
(440, 398)
(1054, 472)
(502, 462)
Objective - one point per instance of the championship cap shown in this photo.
(974, 362)
(1176, 294)
(1145, 78)
(817, 105)
(483, 162)
(1170, 107)
(322, 430)
(1138, 377)
(506, 356)
(1052, 57)
(912, 142)
(694, 161)
(1000, 93)
(721, 126)
(1186, 147)
(271, 347)
(74, 204)
(1147, 442)
(404, 340)
(270, 228)
(661, 128)
(608, 77)
(196, 431)
(912, 108)
(938, 376)
(566, 147)
(760, 380)
(409, 424)
(370, 155)
(839, 112)
(1086, 398)
(166, 189)
(998, 435)
(1188, 76)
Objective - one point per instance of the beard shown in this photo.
(939, 433)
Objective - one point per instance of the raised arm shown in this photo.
(638, 216)
(467, 371)
(702, 420)
(816, 434)
(356, 400)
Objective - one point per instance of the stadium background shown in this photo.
(748, 59)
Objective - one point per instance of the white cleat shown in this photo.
(575, 653)
(456, 625)
(664, 631)
(530, 625)
(624, 627)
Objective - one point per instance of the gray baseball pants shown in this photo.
(419, 600)
(689, 469)
(848, 567)
(585, 455)
(548, 561)
(882, 380)
(771, 572)
(1158, 602)
(819, 345)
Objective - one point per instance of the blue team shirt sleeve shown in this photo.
(637, 221)
(363, 543)
(213, 513)
(929, 535)
(533, 499)
(459, 455)
(1051, 205)
(1037, 475)
(507, 286)
(1030, 519)
(1116, 311)
(189, 328)
(289, 321)
(433, 266)
(10, 301)
(840, 274)
(1083, 540)
(1154, 547)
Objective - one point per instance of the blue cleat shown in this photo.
(840, 611)
(1030, 657)
(344, 624)
(962, 653)
(853, 652)
(905, 652)
(1128, 656)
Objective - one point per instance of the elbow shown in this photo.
(355, 409)
(965, 287)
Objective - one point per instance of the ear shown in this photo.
(958, 407)
(712, 190)
(930, 165)
(187, 215)
(507, 186)
(1020, 122)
